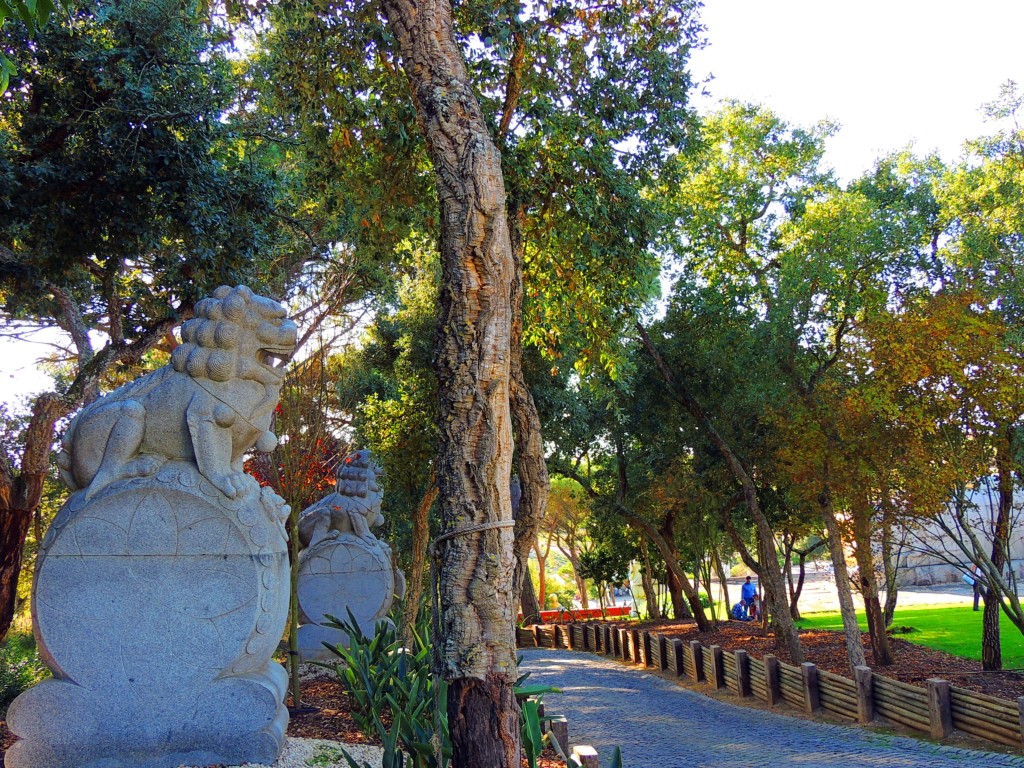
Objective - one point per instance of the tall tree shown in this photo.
(477, 603)
(125, 201)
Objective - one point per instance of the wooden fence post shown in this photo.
(742, 672)
(717, 680)
(677, 655)
(646, 649)
(536, 634)
(1020, 709)
(695, 657)
(663, 652)
(771, 679)
(560, 730)
(570, 628)
(939, 711)
(636, 649)
(863, 678)
(812, 697)
(609, 641)
(585, 757)
(622, 651)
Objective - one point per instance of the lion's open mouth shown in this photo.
(275, 359)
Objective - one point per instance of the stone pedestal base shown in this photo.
(337, 577)
(157, 604)
(233, 721)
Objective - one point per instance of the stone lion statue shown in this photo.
(212, 402)
(354, 507)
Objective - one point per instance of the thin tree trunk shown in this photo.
(528, 600)
(881, 648)
(771, 576)
(418, 567)
(991, 646)
(680, 608)
(794, 597)
(475, 638)
(671, 557)
(20, 495)
(653, 609)
(722, 579)
(542, 583)
(788, 545)
(889, 566)
(581, 583)
(851, 630)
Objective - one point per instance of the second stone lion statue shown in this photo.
(210, 405)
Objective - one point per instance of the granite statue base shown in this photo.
(339, 575)
(157, 605)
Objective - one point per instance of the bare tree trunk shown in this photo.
(20, 496)
(529, 442)
(680, 608)
(851, 630)
(722, 579)
(418, 567)
(653, 609)
(542, 582)
(881, 648)
(991, 645)
(771, 574)
(890, 569)
(475, 634)
(569, 550)
(528, 600)
(671, 557)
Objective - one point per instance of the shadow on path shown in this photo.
(658, 724)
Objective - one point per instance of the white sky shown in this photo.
(890, 72)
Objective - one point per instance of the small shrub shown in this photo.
(325, 756)
(901, 630)
(20, 668)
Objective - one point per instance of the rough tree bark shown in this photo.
(529, 441)
(771, 574)
(476, 574)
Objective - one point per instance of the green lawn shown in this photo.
(955, 629)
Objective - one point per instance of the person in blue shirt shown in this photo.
(739, 612)
(748, 594)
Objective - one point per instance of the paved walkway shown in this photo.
(659, 724)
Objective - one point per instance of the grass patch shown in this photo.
(955, 629)
(20, 668)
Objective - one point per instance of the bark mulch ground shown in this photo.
(827, 649)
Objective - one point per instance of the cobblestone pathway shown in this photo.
(658, 724)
